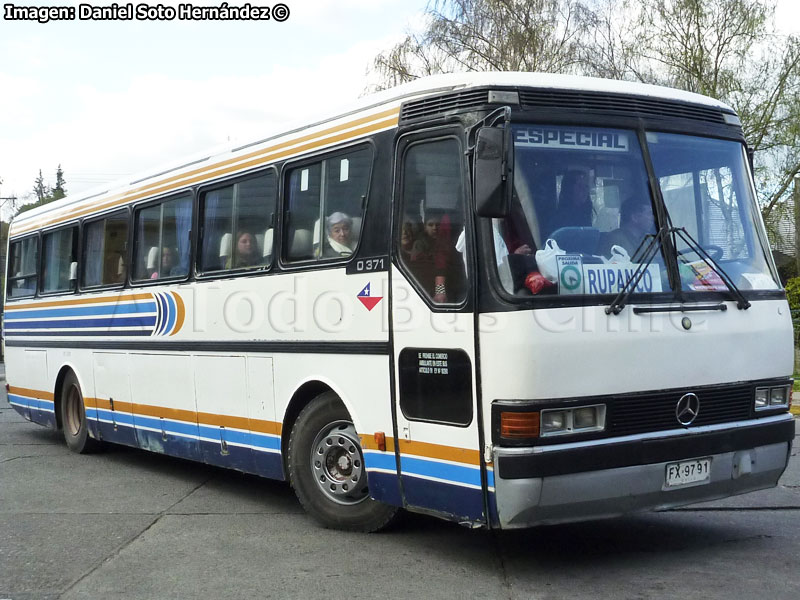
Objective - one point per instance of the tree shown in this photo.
(59, 191)
(499, 35)
(44, 193)
(41, 190)
(727, 49)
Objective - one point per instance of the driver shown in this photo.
(636, 221)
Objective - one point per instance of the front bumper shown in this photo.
(612, 477)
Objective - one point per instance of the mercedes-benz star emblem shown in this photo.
(687, 409)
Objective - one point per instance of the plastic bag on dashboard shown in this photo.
(546, 260)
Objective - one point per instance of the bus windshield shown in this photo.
(706, 188)
(582, 199)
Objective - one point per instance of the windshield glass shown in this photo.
(580, 215)
(707, 191)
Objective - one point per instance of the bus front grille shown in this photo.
(656, 411)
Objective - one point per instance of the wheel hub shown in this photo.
(338, 464)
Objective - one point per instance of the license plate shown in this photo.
(697, 470)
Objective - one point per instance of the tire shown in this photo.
(327, 472)
(73, 417)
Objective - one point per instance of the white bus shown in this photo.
(505, 299)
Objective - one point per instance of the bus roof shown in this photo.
(367, 115)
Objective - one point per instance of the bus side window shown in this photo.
(325, 206)
(433, 219)
(304, 209)
(162, 239)
(346, 185)
(237, 224)
(104, 250)
(22, 267)
(59, 253)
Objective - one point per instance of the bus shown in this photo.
(503, 299)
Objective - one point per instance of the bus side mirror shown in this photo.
(493, 172)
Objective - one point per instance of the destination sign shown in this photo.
(574, 277)
(570, 139)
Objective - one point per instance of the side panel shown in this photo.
(164, 396)
(26, 395)
(265, 438)
(221, 388)
(113, 414)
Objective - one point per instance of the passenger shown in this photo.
(636, 221)
(246, 253)
(168, 263)
(574, 203)
(339, 240)
(435, 262)
(408, 235)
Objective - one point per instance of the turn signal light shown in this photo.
(515, 425)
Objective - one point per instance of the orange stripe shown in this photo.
(217, 168)
(425, 450)
(440, 452)
(187, 416)
(181, 313)
(76, 301)
(38, 394)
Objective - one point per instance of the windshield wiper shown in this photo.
(742, 303)
(656, 240)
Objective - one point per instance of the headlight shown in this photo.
(582, 419)
(773, 397)
(762, 398)
(554, 422)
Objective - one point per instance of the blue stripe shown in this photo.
(34, 403)
(102, 322)
(38, 404)
(232, 436)
(173, 313)
(267, 442)
(380, 460)
(58, 332)
(160, 320)
(174, 427)
(416, 466)
(20, 401)
(120, 418)
(81, 311)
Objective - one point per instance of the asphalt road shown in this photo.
(129, 524)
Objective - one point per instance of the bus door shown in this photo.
(433, 331)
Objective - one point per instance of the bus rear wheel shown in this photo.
(73, 417)
(327, 472)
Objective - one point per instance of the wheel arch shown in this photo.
(302, 396)
(57, 388)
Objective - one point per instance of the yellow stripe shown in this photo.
(425, 450)
(76, 301)
(38, 394)
(188, 416)
(387, 118)
(181, 313)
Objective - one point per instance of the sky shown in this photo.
(109, 99)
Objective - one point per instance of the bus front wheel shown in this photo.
(327, 472)
(73, 417)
